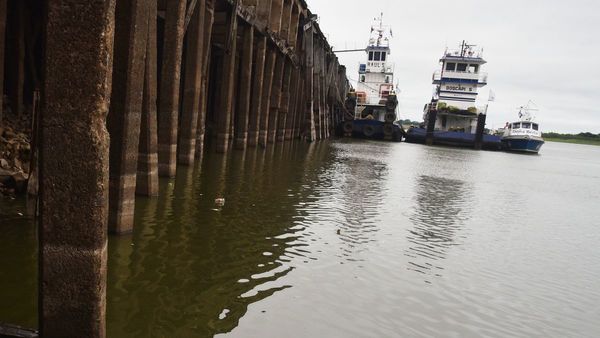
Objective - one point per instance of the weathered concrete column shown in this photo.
(292, 104)
(257, 88)
(276, 92)
(192, 86)
(16, 85)
(300, 108)
(209, 18)
(266, 96)
(147, 170)
(74, 168)
(243, 102)
(284, 105)
(225, 106)
(309, 126)
(124, 117)
(2, 39)
(168, 112)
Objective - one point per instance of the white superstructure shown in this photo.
(457, 84)
(376, 75)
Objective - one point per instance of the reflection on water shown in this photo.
(314, 240)
(191, 267)
(442, 207)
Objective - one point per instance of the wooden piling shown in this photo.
(243, 103)
(168, 112)
(124, 117)
(74, 168)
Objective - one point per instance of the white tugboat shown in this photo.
(373, 104)
(524, 135)
(452, 115)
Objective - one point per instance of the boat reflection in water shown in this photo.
(441, 210)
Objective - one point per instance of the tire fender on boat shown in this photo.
(368, 130)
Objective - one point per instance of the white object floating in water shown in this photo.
(223, 314)
(20, 213)
(220, 201)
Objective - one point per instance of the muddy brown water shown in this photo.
(349, 239)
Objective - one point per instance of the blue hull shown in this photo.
(453, 138)
(522, 145)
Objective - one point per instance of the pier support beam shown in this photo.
(74, 168)
(276, 93)
(243, 102)
(2, 40)
(266, 96)
(16, 51)
(209, 18)
(169, 87)
(284, 105)
(192, 86)
(310, 133)
(225, 107)
(131, 32)
(257, 89)
(147, 170)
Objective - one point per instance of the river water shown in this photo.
(350, 239)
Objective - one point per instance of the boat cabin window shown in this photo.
(461, 67)
(450, 66)
(362, 78)
(370, 56)
(377, 56)
(516, 125)
(383, 55)
(526, 125)
(535, 126)
(473, 68)
(387, 79)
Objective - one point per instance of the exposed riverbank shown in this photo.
(15, 153)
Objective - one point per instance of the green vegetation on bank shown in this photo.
(581, 138)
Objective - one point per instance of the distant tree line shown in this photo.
(408, 122)
(580, 136)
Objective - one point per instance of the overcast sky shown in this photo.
(547, 51)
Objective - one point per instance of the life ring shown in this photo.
(390, 117)
(388, 130)
(348, 127)
(369, 130)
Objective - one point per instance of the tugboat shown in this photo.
(523, 135)
(372, 106)
(452, 117)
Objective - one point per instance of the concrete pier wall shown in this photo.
(131, 88)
